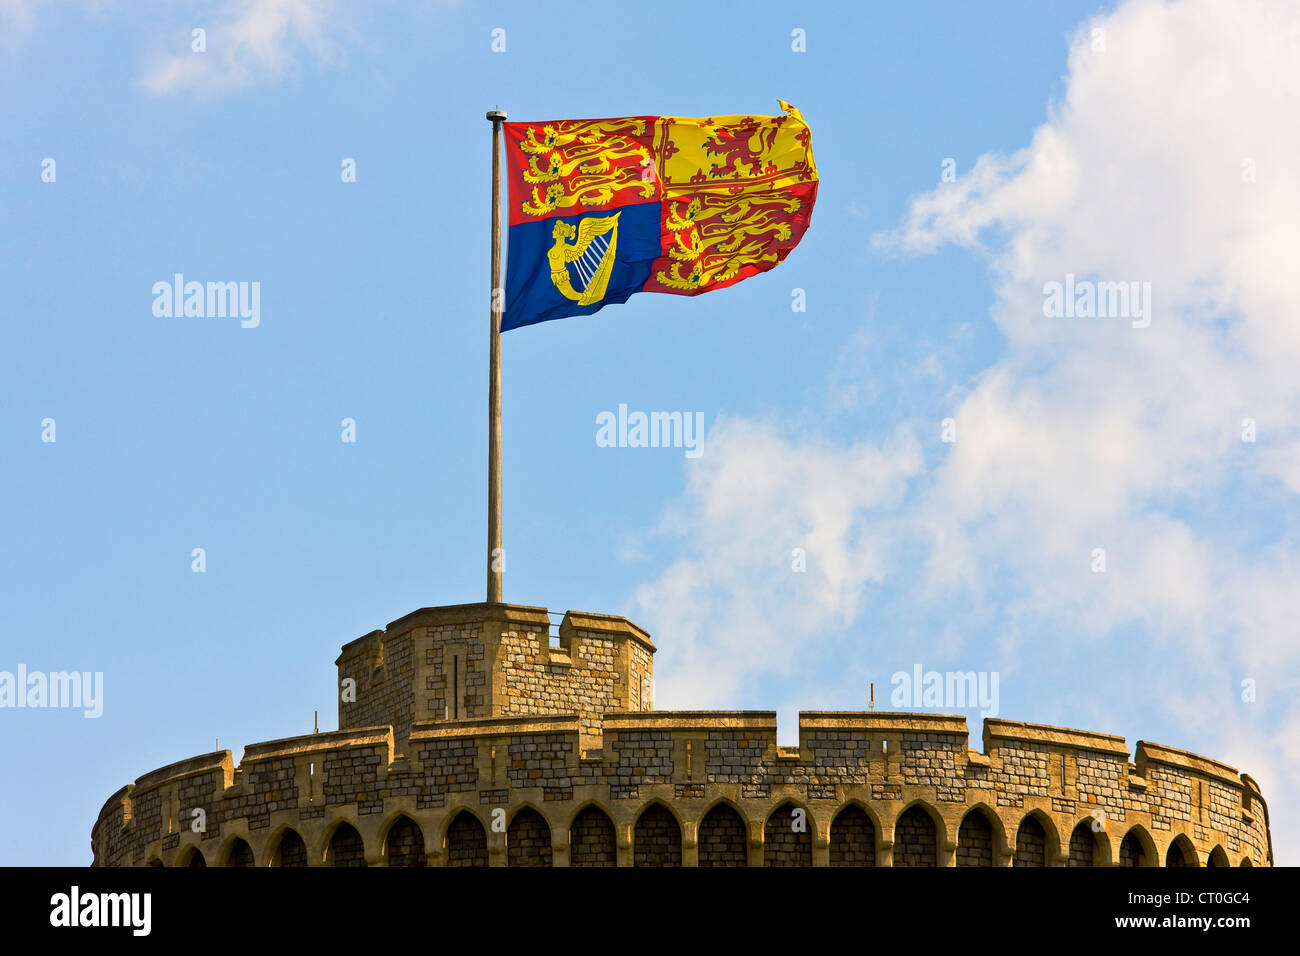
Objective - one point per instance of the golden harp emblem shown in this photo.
(581, 269)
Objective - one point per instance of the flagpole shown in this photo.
(495, 555)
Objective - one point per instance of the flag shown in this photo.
(602, 208)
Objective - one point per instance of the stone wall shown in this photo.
(975, 841)
(383, 670)
(691, 788)
(581, 678)
(723, 839)
(480, 661)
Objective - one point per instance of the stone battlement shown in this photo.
(619, 785)
(472, 661)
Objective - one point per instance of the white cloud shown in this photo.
(247, 41)
(733, 605)
(16, 20)
(1090, 432)
(250, 41)
(1087, 432)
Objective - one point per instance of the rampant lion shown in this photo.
(733, 143)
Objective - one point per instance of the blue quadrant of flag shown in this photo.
(531, 295)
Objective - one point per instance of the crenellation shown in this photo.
(557, 737)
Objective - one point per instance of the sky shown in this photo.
(922, 468)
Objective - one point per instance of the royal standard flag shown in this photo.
(602, 208)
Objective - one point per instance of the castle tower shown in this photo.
(470, 662)
(476, 735)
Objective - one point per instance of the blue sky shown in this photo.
(923, 303)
